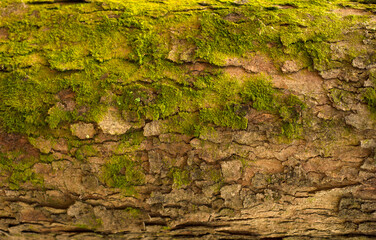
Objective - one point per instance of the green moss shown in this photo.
(260, 93)
(146, 44)
(121, 47)
(69, 58)
(215, 175)
(86, 151)
(320, 54)
(291, 112)
(23, 103)
(168, 100)
(129, 142)
(337, 95)
(292, 108)
(137, 98)
(151, 102)
(370, 99)
(369, 95)
(228, 102)
(288, 107)
(219, 39)
(124, 173)
(291, 130)
(185, 123)
(18, 169)
(231, 116)
(47, 158)
(180, 177)
(56, 115)
(133, 138)
(133, 213)
(73, 143)
(89, 223)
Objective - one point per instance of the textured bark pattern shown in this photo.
(243, 184)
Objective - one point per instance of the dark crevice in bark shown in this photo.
(240, 232)
(326, 188)
(155, 223)
(189, 236)
(272, 238)
(7, 218)
(191, 224)
(355, 235)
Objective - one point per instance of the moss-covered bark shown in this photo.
(187, 114)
